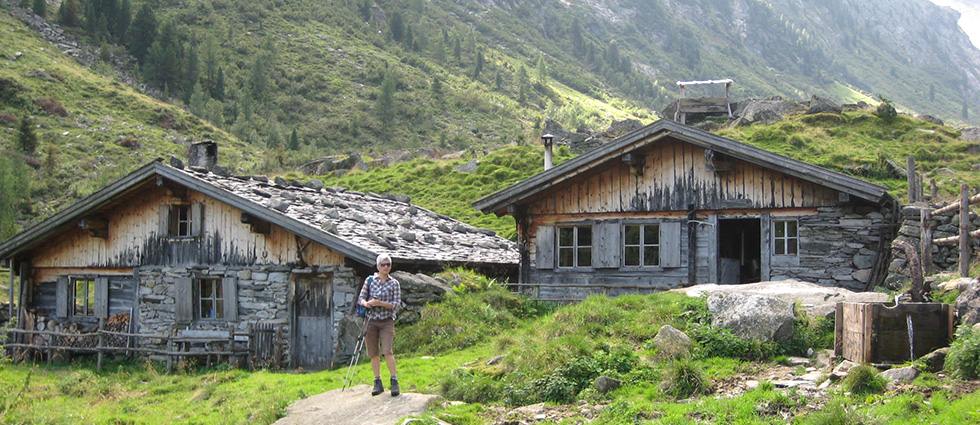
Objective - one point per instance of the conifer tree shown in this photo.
(478, 66)
(198, 100)
(293, 141)
(26, 137)
(70, 13)
(40, 8)
(142, 33)
(384, 107)
(192, 70)
(164, 60)
(218, 91)
(124, 18)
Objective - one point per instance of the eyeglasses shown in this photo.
(385, 264)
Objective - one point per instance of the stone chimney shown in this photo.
(203, 155)
(548, 140)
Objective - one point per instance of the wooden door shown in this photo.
(313, 342)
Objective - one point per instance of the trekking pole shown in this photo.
(355, 356)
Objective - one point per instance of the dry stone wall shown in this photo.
(944, 257)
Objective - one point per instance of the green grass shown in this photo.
(547, 355)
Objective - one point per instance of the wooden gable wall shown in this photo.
(674, 175)
(134, 240)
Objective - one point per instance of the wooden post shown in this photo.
(964, 231)
(933, 189)
(11, 287)
(100, 344)
(915, 270)
(925, 243)
(911, 177)
(231, 344)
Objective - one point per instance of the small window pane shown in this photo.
(651, 256)
(566, 257)
(780, 229)
(632, 235)
(651, 235)
(566, 236)
(585, 257)
(791, 247)
(780, 248)
(791, 228)
(584, 236)
(632, 256)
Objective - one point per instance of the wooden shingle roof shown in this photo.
(357, 225)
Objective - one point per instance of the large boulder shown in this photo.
(764, 111)
(815, 300)
(819, 105)
(968, 305)
(754, 317)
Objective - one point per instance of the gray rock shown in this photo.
(820, 105)
(672, 342)
(936, 360)
(905, 374)
(967, 305)
(605, 384)
(469, 167)
(315, 184)
(752, 317)
(176, 162)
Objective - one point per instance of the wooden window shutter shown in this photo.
(544, 253)
(102, 297)
(670, 244)
(62, 296)
(197, 218)
(230, 292)
(164, 220)
(184, 300)
(606, 246)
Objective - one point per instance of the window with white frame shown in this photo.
(641, 245)
(785, 237)
(210, 299)
(575, 246)
(83, 290)
(181, 220)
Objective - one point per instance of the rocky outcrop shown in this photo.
(672, 342)
(763, 111)
(967, 305)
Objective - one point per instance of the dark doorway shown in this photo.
(739, 250)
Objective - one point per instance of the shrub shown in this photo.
(963, 359)
(885, 111)
(52, 107)
(555, 388)
(864, 379)
(684, 379)
(470, 386)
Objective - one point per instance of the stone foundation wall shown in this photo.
(839, 247)
(263, 297)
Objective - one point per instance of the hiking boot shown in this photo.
(394, 387)
(378, 388)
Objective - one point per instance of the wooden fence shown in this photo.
(256, 348)
(926, 240)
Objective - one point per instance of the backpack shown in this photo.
(361, 310)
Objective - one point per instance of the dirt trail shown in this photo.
(356, 406)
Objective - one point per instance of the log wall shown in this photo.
(674, 176)
(134, 239)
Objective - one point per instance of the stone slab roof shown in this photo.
(357, 225)
(374, 222)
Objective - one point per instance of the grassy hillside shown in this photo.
(91, 129)
(543, 353)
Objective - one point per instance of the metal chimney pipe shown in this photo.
(548, 139)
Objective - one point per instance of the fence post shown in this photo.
(964, 231)
(925, 243)
(911, 177)
(231, 344)
(100, 344)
